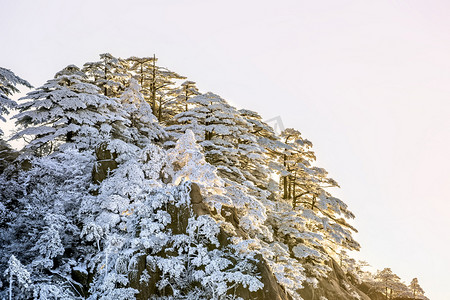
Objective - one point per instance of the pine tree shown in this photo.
(189, 163)
(179, 98)
(416, 289)
(17, 270)
(156, 83)
(142, 69)
(306, 185)
(296, 159)
(387, 281)
(269, 148)
(220, 130)
(68, 110)
(227, 144)
(144, 126)
(8, 83)
(109, 74)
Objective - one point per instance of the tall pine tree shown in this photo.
(68, 110)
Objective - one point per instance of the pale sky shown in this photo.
(368, 82)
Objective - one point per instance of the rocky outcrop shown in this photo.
(371, 292)
(336, 287)
(106, 162)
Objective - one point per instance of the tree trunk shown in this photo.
(290, 187)
(186, 99)
(153, 85)
(159, 109)
(293, 193)
(285, 183)
(142, 75)
(105, 87)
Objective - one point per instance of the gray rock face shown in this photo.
(336, 287)
(104, 165)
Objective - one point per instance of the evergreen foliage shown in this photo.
(8, 86)
(99, 205)
(67, 109)
(109, 74)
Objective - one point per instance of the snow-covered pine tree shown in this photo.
(297, 154)
(219, 129)
(44, 234)
(179, 98)
(305, 235)
(306, 186)
(270, 150)
(109, 74)
(188, 163)
(68, 110)
(141, 68)
(156, 83)
(144, 126)
(225, 139)
(416, 290)
(8, 86)
(17, 271)
(137, 226)
(386, 281)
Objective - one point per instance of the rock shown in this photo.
(198, 205)
(82, 279)
(105, 163)
(369, 291)
(271, 290)
(146, 289)
(336, 287)
(179, 216)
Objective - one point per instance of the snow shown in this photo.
(136, 225)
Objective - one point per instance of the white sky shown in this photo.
(366, 81)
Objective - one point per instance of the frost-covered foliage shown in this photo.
(389, 284)
(296, 254)
(141, 224)
(67, 109)
(415, 290)
(248, 154)
(106, 213)
(179, 98)
(188, 163)
(306, 185)
(131, 216)
(144, 126)
(109, 74)
(157, 84)
(17, 271)
(8, 83)
(223, 134)
(40, 228)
